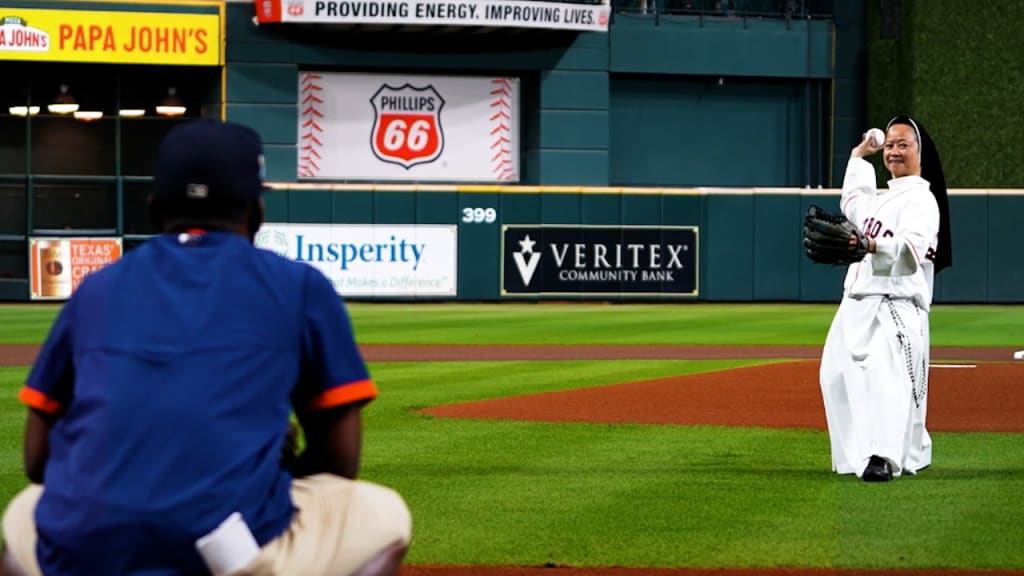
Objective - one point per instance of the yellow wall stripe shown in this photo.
(638, 191)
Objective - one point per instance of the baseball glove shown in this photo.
(827, 238)
(290, 448)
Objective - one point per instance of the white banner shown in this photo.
(504, 13)
(372, 260)
(408, 127)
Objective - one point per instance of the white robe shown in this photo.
(874, 367)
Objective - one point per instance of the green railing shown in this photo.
(782, 9)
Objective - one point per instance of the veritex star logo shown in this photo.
(526, 259)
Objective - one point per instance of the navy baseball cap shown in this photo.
(206, 165)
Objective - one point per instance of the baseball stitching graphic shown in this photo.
(310, 141)
(501, 158)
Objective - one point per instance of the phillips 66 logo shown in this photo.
(407, 125)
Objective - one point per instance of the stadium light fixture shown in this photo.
(88, 115)
(171, 105)
(131, 106)
(65, 102)
(23, 110)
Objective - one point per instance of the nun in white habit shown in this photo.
(874, 366)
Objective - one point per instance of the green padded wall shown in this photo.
(749, 243)
(681, 131)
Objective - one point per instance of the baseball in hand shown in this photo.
(876, 137)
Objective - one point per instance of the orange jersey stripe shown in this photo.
(341, 395)
(38, 400)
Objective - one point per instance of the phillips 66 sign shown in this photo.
(408, 127)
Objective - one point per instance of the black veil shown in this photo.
(931, 170)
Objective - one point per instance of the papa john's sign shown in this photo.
(111, 37)
(408, 127)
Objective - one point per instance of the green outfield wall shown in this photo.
(743, 245)
(658, 100)
(682, 89)
(685, 148)
(748, 246)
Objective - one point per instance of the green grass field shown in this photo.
(636, 495)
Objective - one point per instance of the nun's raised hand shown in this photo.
(866, 147)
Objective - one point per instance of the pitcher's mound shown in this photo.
(982, 397)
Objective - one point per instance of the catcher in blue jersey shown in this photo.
(159, 404)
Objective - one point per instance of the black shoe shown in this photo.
(878, 470)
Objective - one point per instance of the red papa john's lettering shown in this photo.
(146, 39)
(166, 39)
(91, 38)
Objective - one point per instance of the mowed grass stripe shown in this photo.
(681, 323)
(12, 433)
(544, 323)
(585, 494)
(414, 384)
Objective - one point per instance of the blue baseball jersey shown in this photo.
(172, 374)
